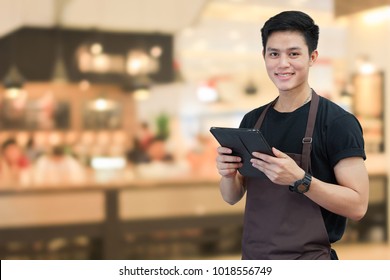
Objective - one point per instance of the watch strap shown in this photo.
(305, 182)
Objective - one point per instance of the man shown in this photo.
(317, 176)
(14, 165)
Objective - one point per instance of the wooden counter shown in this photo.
(110, 212)
(117, 211)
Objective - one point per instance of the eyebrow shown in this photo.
(289, 49)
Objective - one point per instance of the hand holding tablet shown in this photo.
(243, 142)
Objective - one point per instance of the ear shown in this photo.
(313, 57)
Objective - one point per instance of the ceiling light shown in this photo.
(13, 78)
(156, 51)
(96, 48)
(138, 62)
(60, 73)
(13, 82)
(102, 104)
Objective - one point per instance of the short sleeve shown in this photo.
(250, 118)
(244, 122)
(345, 139)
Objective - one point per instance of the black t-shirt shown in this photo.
(337, 135)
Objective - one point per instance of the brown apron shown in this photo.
(278, 223)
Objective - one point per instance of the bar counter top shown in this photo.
(124, 184)
(376, 166)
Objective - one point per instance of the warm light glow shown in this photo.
(101, 63)
(207, 93)
(101, 104)
(141, 94)
(12, 93)
(156, 51)
(376, 16)
(135, 65)
(108, 162)
(367, 68)
(96, 48)
(18, 97)
(364, 65)
(138, 62)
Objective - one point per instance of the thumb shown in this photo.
(278, 154)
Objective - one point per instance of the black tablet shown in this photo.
(243, 142)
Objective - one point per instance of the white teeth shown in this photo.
(283, 75)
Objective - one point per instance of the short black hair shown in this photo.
(292, 21)
(8, 142)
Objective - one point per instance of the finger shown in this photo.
(224, 150)
(224, 165)
(263, 167)
(259, 164)
(224, 158)
(261, 156)
(278, 153)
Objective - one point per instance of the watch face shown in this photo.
(302, 188)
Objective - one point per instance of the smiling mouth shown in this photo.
(284, 74)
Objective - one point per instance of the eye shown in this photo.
(273, 54)
(294, 54)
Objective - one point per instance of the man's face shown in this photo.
(287, 60)
(12, 153)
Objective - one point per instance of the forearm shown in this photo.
(341, 200)
(232, 188)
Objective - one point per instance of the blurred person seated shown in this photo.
(145, 136)
(58, 168)
(137, 155)
(15, 166)
(32, 151)
(162, 164)
(157, 151)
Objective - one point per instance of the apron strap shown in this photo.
(262, 115)
(307, 140)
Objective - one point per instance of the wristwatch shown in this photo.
(301, 186)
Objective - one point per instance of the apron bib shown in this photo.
(278, 223)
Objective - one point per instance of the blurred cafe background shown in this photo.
(105, 110)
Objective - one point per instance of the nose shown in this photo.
(284, 61)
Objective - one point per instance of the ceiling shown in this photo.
(167, 16)
(212, 37)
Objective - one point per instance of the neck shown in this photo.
(289, 102)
